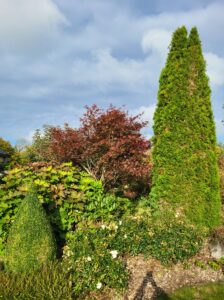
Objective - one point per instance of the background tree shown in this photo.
(39, 150)
(8, 149)
(185, 175)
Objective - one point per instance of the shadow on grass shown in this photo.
(157, 290)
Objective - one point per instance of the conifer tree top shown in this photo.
(178, 39)
(194, 37)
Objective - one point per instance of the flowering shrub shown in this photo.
(94, 253)
(132, 237)
(93, 264)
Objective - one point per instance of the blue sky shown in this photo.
(56, 56)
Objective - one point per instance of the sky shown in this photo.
(56, 56)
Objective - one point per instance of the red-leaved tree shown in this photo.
(108, 145)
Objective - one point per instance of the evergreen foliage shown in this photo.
(30, 243)
(185, 174)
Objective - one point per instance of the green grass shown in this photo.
(213, 291)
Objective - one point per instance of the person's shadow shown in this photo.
(157, 290)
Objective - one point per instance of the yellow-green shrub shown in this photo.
(30, 242)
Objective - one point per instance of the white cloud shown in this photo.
(106, 71)
(219, 128)
(147, 113)
(28, 24)
(215, 68)
(156, 40)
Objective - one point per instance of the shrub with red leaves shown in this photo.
(109, 146)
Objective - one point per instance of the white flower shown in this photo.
(125, 236)
(114, 253)
(177, 214)
(88, 258)
(103, 226)
(115, 227)
(120, 222)
(69, 253)
(99, 285)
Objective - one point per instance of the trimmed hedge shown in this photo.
(30, 243)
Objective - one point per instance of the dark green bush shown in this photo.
(30, 243)
(169, 243)
(175, 242)
(132, 237)
(52, 282)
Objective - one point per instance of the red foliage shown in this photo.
(108, 145)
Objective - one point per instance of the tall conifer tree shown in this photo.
(185, 177)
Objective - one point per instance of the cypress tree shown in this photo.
(206, 208)
(185, 178)
(31, 243)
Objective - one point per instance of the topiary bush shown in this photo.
(30, 243)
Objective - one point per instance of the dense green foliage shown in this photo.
(68, 196)
(52, 282)
(185, 175)
(30, 243)
(175, 242)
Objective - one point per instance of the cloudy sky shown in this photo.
(56, 56)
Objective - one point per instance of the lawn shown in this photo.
(214, 291)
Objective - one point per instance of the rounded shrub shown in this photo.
(30, 242)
